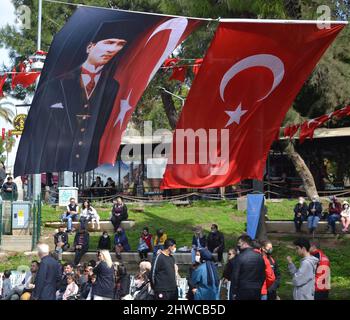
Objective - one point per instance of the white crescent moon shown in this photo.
(177, 27)
(269, 61)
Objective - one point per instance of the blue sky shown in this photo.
(7, 16)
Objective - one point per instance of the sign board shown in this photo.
(18, 123)
(20, 214)
(65, 193)
(254, 207)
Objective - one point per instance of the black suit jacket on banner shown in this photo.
(73, 125)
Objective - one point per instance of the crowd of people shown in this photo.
(250, 273)
(312, 213)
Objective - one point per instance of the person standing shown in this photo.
(300, 214)
(48, 275)
(81, 245)
(71, 214)
(314, 216)
(216, 242)
(323, 272)
(119, 213)
(266, 247)
(163, 275)
(304, 277)
(9, 189)
(205, 278)
(334, 210)
(103, 288)
(61, 242)
(248, 272)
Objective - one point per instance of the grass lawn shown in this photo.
(178, 223)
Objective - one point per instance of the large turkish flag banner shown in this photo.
(249, 79)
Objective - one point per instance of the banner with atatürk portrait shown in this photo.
(97, 68)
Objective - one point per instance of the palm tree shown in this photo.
(6, 113)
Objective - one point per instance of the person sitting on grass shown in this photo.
(61, 242)
(121, 243)
(345, 216)
(159, 241)
(89, 214)
(72, 288)
(81, 245)
(105, 242)
(71, 214)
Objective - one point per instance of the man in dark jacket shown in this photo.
(300, 214)
(314, 216)
(163, 277)
(216, 241)
(61, 242)
(81, 245)
(48, 275)
(334, 211)
(248, 272)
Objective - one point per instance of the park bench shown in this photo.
(104, 225)
(286, 228)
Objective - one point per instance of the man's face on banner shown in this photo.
(103, 51)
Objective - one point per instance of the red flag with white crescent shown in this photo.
(134, 73)
(245, 86)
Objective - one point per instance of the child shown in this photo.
(72, 288)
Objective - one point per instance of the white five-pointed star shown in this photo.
(235, 116)
(124, 108)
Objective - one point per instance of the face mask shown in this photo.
(173, 251)
(105, 236)
(198, 259)
(301, 201)
(313, 200)
(269, 251)
(346, 206)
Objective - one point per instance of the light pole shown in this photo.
(37, 177)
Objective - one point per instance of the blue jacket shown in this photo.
(199, 279)
(123, 240)
(47, 279)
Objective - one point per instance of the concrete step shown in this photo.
(130, 257)
(288, 227)
(104, 225)
(272, 236)
(17, 243)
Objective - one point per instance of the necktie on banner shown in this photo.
(246, 84)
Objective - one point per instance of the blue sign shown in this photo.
(254, 207)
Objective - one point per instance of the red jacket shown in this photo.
(269, 274)
(148, 240)
(323, 272)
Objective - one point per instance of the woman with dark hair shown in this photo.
(122, 286)
(89, 214)
(205, 278)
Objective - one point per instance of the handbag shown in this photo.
(142, 246)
